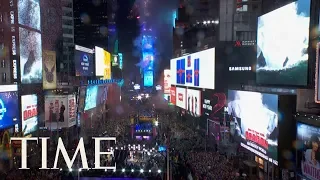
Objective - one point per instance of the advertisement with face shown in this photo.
(173, 96)
(56, 111)
(91, 97)
(194, 70)
(282, 54)
(29, 113)
(181, 97)
(213, 104)
(29, 13)
(72, 110)
(9, 109)
(256, 122)
(83, 59)
(308, 152)
(30, 56)
(49, 70)
(166, 81)
(194, 102)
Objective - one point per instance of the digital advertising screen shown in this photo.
(29, 13)
(9, 106)
(107, 65)
(282, 52)
(258, 135)
(83, 59)
(194, 102)
(57, 111)
(30, 56)
(49, 70)
(213, 104)
(102, 94)
(29, 113)
(147, 60)
(181, 97)
(101, 61)
(91, 97)
(241, 63)
(308, 151)
(166, 81)
(148, 79)
(173, 97)
(194, 70)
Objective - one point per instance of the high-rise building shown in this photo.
(6, 42)
(238, 19)
(66, 63)
(91, 23)
(112, 28)
(196, 26)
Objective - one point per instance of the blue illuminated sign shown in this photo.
(3, 109)
(148, 79)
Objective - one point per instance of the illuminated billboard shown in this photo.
(282, 45)
(148, 78)
(166, 81)
(194, 70)
(258, 135)
(49, 70)
(83, 60)
(29, 113)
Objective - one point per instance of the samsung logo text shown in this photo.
(61, 148)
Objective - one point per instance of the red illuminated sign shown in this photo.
(257, 137)
(31, 111)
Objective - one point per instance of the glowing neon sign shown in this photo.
(3, 109)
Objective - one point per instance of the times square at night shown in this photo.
(171, 89)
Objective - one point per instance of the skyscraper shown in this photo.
(91, 23)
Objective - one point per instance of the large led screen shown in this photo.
(283, 40)
(181, 97)
(256, 122)
(194, 70)
(308, 151)
(9, 108)
(91, 97)
(241, 63)
(102, 63)
(166, 81)
(30, 56)
(83, 59)
(194, 102)
(29, 113)
(148, 79)
(29, 13)
(213, 104)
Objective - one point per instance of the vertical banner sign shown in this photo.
(14, 40)
(115, 60)
(120, 55)
(166, 81)
(107, 64)
(49, 70)
(317, 79)
(72, 110)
